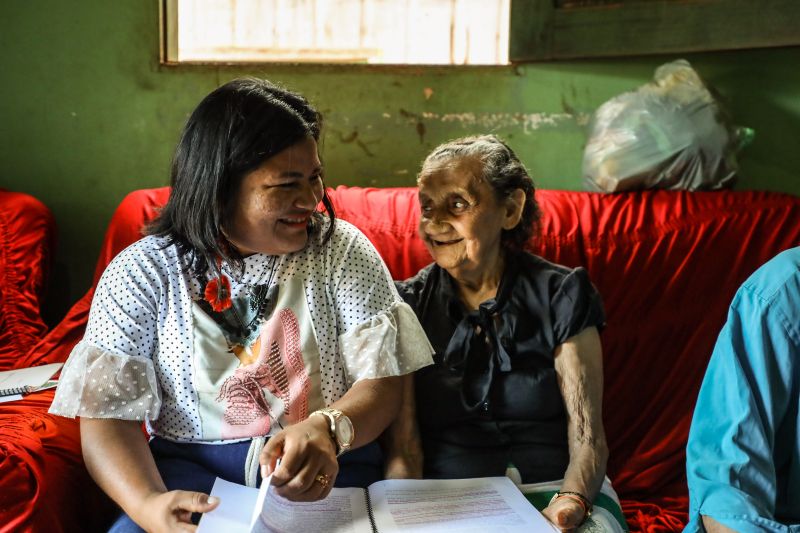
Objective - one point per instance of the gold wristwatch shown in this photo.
(340, 427)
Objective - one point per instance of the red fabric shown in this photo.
(45, 485)
(667, 264)
(27, 233)
(652, 518)
(388, 217)
(125, 228)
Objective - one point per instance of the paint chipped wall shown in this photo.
(88, 114)
(389, 121)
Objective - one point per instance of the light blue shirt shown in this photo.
(743, 454)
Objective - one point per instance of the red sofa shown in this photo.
(27, 233)
(42, 478)
(667, 264)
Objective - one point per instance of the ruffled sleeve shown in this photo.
(99, 384)
(379, 334)
(110, 373)
(575, 306)
(391, 343)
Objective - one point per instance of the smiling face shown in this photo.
(274, 203)
(462, 220)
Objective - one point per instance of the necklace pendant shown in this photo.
(258, 297)
(254, 302)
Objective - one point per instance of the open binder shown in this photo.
(25, 380)
(393, 505)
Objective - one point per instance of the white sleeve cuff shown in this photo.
(391, 343)
(96, 383)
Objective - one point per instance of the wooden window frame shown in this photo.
(540, 30)
(168, 32)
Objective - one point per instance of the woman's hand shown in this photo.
(307, 452)
(308, 466)
(172, 511)
(565, 513)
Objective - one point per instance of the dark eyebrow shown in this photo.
(299, 175)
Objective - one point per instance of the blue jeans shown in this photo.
(194, 467)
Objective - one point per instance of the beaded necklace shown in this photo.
(240, 317)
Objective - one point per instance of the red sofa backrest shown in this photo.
(667, 264)
(27, 238)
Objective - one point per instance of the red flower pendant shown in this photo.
(218, 293)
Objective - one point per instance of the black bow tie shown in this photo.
(475, 351)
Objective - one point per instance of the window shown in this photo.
(558, 29)
(428, 32)
(465, 32)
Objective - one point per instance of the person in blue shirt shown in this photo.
(743, 454)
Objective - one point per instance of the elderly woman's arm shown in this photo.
(579, 366)
(401, 442)
(307, 450)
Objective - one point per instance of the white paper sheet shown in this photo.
(249, 510)
(235, 508)
(342, 511)
(478, 505)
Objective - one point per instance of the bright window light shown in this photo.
(418, 32)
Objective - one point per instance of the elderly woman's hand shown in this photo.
(565, 513)
(308, 466)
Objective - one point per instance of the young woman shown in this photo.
(245, 327)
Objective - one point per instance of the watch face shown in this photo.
(344, 431)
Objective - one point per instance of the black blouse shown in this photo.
(491, 398)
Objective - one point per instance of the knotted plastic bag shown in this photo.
(669, 134)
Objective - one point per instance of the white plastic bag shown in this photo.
(669, 134)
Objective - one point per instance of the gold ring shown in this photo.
(323, 479)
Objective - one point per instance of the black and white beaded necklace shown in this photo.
(240, 317)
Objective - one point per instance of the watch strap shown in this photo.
(330, 415)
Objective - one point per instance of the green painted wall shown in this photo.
(88, 114)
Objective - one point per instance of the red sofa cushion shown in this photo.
(667, 264)
(40, 458)
(45, 484)
(27, 233)
(125, 227)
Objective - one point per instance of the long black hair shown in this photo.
(231, 133)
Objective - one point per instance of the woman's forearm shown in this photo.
(586, 469)
(579, 367)
(119, 460)
(401, 441)
(371, 404)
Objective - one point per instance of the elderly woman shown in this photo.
(517, 382)
(244, 328)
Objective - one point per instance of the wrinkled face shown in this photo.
(461, 219)
(274, 203)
